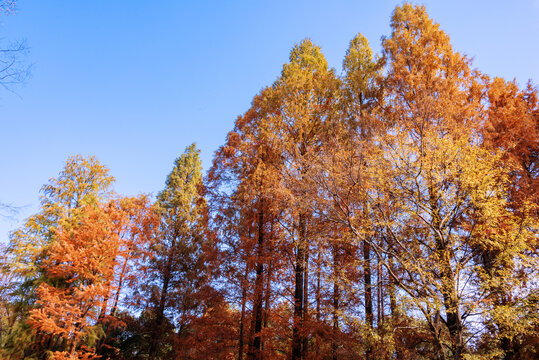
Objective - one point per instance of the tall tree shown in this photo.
(86, 267)
(80, 266)
(512, 127)
(360, 76)
(250, 163)
(177, 267)
(446, 186)
(307, 92)
(82, 182)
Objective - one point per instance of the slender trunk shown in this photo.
(392, 290)
(305, 345)
(380, 294)
(159, 317)
(242, 318)
(255, 351)
(267, 297)
(297, 336)
(336, 300)
(448, 284)
(369, 316)
(159, 314)
(267, 301)
(318, 299)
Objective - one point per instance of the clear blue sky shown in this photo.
(134, 82)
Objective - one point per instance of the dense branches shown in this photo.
(387, 213)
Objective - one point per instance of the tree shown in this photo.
(306, 89)
(176, 270)
(447, 187)
(82, 182)
(249, 212)
(86, 268)
(360, 76)
(512, 128)
(80, 266)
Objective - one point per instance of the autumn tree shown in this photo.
(511, 128)
(136, 224)
(249, 212)
(176, 270)
(407, 183)
(446, 185)
(306, 89)
(86, 268)
(80, 267)
(298, 105)
(360, 76)
(82, 182)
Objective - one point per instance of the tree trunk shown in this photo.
(336, 300)
(392, 290)
(305, 345)
(255, 350)
(159, 314)
(369, 316)
(448, 284)
(267, 297)
(297, 336)
(242, 318)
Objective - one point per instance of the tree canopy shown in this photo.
(388, 211)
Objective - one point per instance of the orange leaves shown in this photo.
(513, 128)
(86, 266)
(80, 265)
(84, 254)
(428, 83)
(59, 311)
(409, 181)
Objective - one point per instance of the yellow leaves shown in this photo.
(305, 56)
(82, 181)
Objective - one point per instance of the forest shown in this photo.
(385, 211)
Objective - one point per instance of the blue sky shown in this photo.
(134, 82)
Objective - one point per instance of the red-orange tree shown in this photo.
(86, 267)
